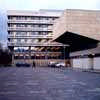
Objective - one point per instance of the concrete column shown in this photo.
(91, 61)
(29, 52)
(66, 56)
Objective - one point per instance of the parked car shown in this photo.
(60, 64)
(22, 64)
(52, 64)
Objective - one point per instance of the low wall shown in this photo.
(96, 63)
(83, 63)
(86, 63)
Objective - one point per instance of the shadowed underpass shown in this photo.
(48, 84)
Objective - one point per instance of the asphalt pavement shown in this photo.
(48, 84)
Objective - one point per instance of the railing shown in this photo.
(27, 29)
(34, 52)
(31, 21)
(29, 36)
(32, 44)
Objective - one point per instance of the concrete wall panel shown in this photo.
(96, 63)
(82, 22)
(83, 63)
(77, 63)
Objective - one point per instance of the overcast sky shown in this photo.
(49, 4)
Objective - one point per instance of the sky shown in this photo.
(49, 4)
(40, 4)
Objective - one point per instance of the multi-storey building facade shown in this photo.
(29, 33)
(80, 30)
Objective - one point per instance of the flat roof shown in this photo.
(44, 12)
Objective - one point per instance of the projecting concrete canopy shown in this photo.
(76, 42)
(78, 28)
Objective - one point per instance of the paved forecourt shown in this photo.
(48, 84)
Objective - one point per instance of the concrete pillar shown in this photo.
(29, 52)
(66, 56)
(91, 61)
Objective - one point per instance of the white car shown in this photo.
(60, 64)
(52, 64)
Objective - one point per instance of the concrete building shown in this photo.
(29, 33)
(80, 30)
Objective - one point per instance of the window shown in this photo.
(44, 18)
(10, 33)
(21, 33)
(29, 40)
(32, 17)
(18, 25)
(10, 25)
(47, 18)
(22, 40)
(36, 18)
(21, 18)
(35, 26)
(17, 33)
(41, 18)
(54, 18)
(18, 40)
(10, 17)
(18, 18)
(21, 25)
(15, 40)
(34, 33)
(25, 25)
(25, 17)
(11, 40)
(42, 33)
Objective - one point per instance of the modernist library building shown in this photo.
(30, 35)
(48, 35)
(80, 30)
